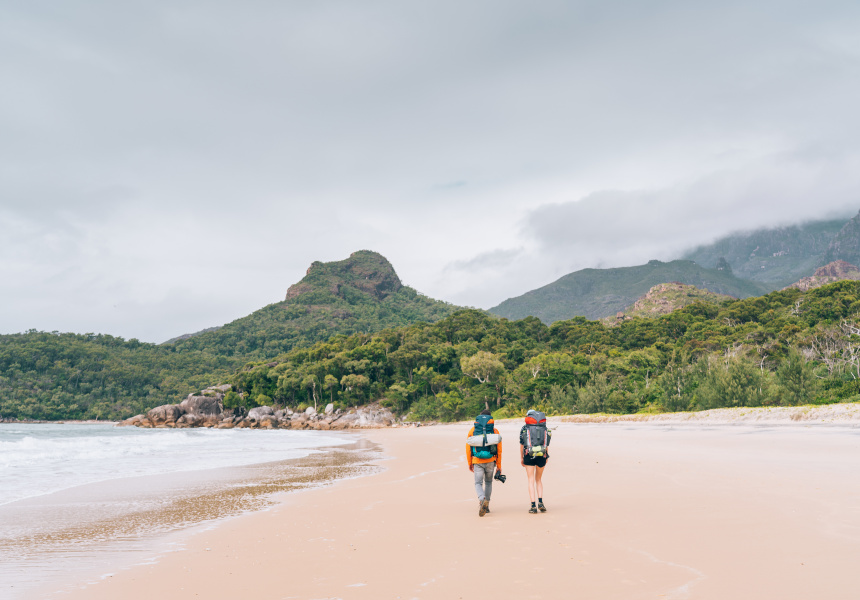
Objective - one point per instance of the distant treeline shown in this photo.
(786, 348)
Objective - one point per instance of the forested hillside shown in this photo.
(70, 376)
(786, 348)
(597, 293)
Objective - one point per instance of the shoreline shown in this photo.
(97, 528)
(845, 413)
(634, 512)
(67, 422)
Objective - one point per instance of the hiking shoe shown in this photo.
(532, 510)
(541, 507)
(485, 506)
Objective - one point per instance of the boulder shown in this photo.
(164, 415)
(329, 408)
(258, 412)
(310, 411)
(201, 405)
(189, 420)
(209, 421)
(218, 389)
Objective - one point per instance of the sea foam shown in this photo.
(38, 459)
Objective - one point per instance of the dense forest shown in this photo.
(69, 376)
(786, 348)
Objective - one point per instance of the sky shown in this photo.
(170, 166)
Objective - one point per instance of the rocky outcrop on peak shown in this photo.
(665, 298)
(366, 271)
(837, 270)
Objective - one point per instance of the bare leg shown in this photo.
(530, 471)
(538, 483)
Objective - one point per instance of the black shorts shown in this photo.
(538, 461)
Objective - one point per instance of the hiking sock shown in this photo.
(540, 500)
(533, 504)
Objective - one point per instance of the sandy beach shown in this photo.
(635, 511)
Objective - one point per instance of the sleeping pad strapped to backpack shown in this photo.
(536, 434)
(484, 441)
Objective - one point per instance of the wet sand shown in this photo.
(95, 529)
(635, 511)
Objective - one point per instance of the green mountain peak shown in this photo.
(598, 293)
(360, 294)
(366, 271)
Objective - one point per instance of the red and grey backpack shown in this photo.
(536, 435)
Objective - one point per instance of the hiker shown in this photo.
(484, 454)
(534, 452)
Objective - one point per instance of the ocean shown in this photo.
(85, 497)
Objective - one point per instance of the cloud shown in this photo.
(615, 228)
(621, 228)
(187, 162)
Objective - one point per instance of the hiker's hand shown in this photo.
(472, 468)
(522, 462)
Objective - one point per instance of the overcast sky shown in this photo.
(169, 166)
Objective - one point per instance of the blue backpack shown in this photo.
(484, 427)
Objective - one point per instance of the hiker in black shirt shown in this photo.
(534, 453)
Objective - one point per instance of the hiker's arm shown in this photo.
(469, 451)
(499, 453)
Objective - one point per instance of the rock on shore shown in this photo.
(207, 410)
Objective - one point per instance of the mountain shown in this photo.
(665, 298)
(782, 255)
(846, 244)
(72, 376)
(597, 293)
(361, 294)
(838, 270)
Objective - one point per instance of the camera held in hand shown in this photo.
(498, 476)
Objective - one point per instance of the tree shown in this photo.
(483, 366)
(797, 382)
(329, 383)
(310, 382)
(354, 382)
(486, 368)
